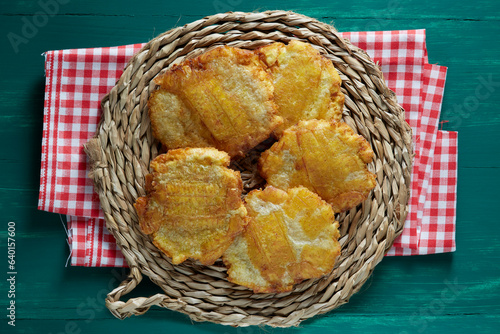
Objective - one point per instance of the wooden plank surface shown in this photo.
(405, 295)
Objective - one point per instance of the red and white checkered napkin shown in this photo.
(78, 79)
(437, 226)
(401, 56)
(91, 243)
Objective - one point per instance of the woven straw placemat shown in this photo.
(123, 147)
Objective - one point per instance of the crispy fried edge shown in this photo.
(336, 96)
(279, 288)
(207, 156)
(365, 153)
(241, 57)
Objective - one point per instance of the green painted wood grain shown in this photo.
(447, 9)
(403, 295)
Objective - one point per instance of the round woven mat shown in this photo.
(123, 147)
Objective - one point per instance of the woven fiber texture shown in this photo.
(123, 147)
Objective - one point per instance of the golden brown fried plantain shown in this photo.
(306, 84)
(291, 236)
(222, 98)
(193, 207)
(326, 157)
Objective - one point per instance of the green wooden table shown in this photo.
(457, 292)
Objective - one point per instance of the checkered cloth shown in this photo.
(401, 56)
(78, 79)
(437, 228)
(91, 243)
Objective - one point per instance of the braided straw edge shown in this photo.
(120, 152)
